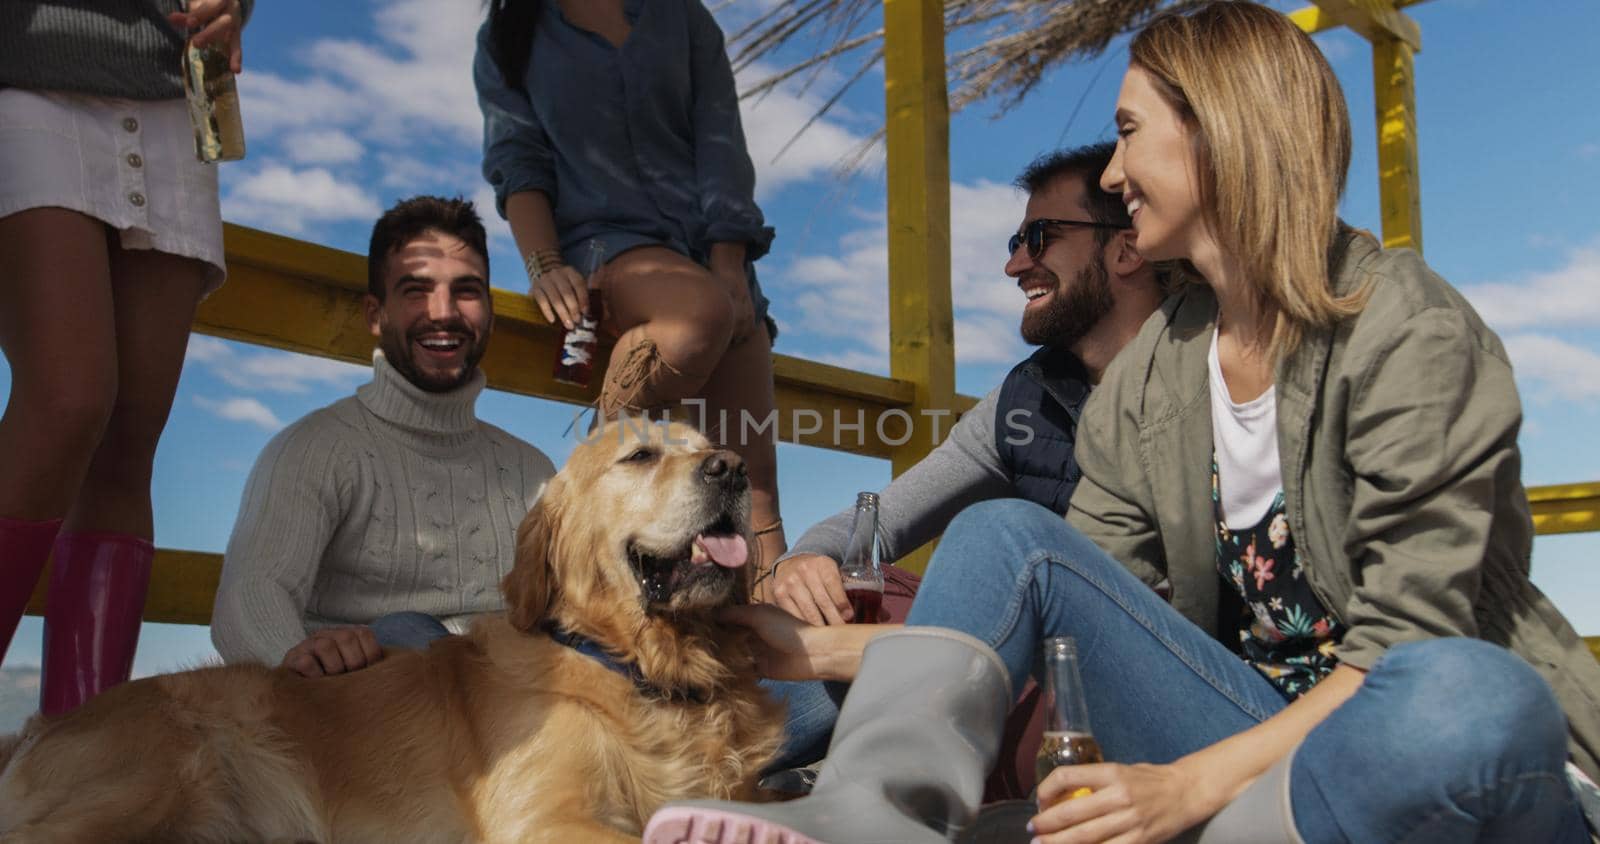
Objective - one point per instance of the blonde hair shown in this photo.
(1271, 138)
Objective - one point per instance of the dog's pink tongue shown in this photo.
(726, 551)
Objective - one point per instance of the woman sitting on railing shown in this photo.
(110, 234)
(616, 122)
(1312, 449)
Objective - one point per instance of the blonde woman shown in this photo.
(1311, 451)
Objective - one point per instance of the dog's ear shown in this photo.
(530, 585)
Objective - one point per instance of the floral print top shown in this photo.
(1285, 632)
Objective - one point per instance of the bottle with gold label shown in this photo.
(213, 104)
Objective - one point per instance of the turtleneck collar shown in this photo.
(394, 399)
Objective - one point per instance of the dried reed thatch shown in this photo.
(1017, 42)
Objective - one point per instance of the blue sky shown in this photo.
(352, 105)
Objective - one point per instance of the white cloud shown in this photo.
(324, 146)
(844, 295)
(1554, 368)
(414, 81)
(286, 199)
(272, 370)
(242, 410)
(416, 76)
(272, 104)
(771, 121)
(1566, 296)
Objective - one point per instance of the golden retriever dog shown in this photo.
(606, 689)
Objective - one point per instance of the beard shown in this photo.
(1073, 311)
(399, 348)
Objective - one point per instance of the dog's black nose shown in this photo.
(725, 467)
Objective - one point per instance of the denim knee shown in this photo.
(999, 529)
(407, 629)
(1003, 514)
(1463, 704)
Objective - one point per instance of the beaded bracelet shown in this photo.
(541, 261)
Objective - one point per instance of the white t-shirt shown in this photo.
(1244, 438)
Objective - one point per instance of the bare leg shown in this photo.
(743, 381)
(58, 334)
(675, 325)
(155, 295)
(672, 323)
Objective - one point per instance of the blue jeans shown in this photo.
(1448, 740)
(409, 630)
(811, 708)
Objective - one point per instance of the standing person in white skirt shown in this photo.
(110, 235)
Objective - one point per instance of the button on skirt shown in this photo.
(127, 163)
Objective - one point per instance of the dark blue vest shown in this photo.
(1036, 421)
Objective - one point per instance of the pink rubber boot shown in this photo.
(91, 623)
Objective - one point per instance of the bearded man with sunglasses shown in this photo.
(1088, 291)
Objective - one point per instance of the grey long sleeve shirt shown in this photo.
(914, 508)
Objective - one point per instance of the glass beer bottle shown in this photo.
(213, 97)
(860, 569)
(575, 362)
(1067, 738)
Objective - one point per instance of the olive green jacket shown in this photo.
(1397, 432)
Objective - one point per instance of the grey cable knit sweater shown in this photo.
(112, 48)
(393, 499)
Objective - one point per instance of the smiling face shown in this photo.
(1067, 286)
(434, 321)
(1154, 170)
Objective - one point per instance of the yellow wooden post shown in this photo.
(1395, 40)
(921, 329)
(1395, 97)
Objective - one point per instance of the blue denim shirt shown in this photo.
(635, 145)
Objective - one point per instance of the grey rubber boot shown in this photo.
(915, 739)
(1262, 814)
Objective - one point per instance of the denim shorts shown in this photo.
(618, 242)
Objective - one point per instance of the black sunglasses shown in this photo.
(1033, 234)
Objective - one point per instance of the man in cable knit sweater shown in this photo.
(388, 518)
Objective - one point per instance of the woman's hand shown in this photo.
(214, 22)
(1125, 804)
(561, 292)
(809, 587)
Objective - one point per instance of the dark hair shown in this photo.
(511, 24)
(1086, 163)
(408, 219)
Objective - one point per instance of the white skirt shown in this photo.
(127, 163)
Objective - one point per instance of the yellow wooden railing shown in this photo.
(306, 298)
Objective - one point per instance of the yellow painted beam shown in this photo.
(293, 295)
(1395, 100)
(917, 128)
(1567, 508)
(1315, 19)
(183, 585)
(1395, 41)
(1594, 645)
(1374, 20)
